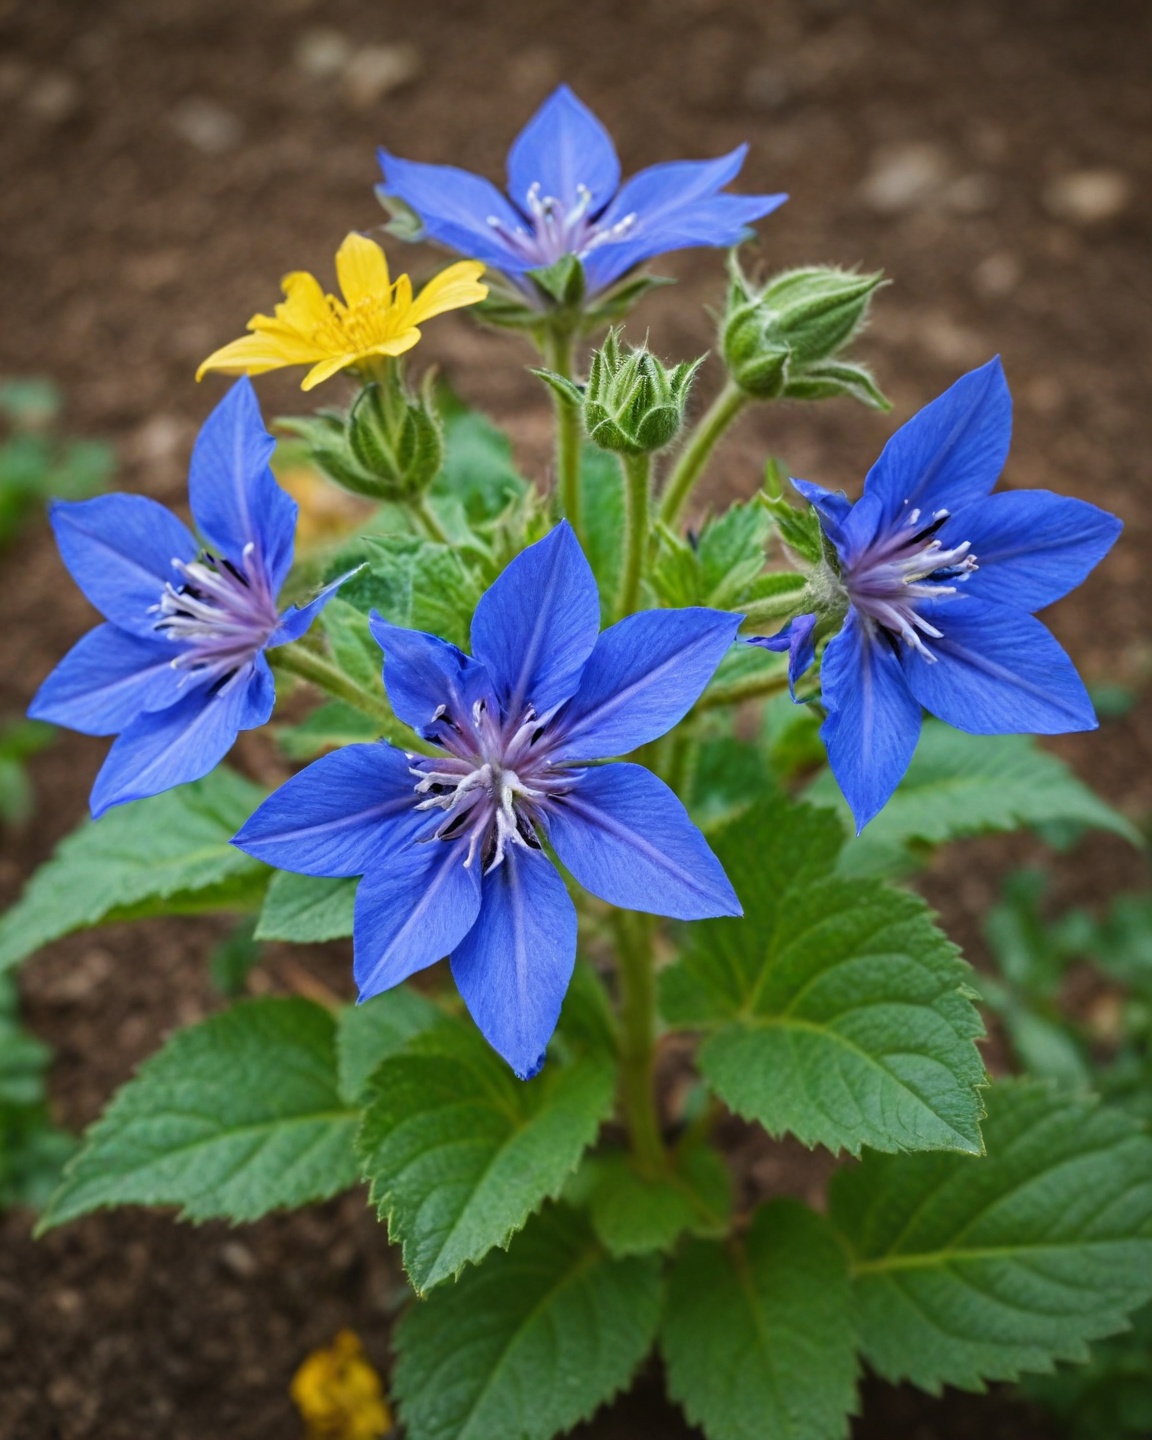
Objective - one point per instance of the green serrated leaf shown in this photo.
(353, 647)
(529, 1343)
(479, 473)
(367, 1034)
(307, 908)
(234, 1117)
(835, 1009)
(163, 856)
(757, 1334)
(634, 1214)
(603, 486)
(959, 785)
(459, 1152)
(966, 1271)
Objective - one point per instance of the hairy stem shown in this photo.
(755, 687)
(637, 472)
(559, 354)
(699, 445)
(318, 671)
(638, 1039)
(426, 520)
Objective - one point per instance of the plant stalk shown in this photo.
(637, 478)
(318, 671)
(638, 1040)
(755, 687)
(705, 433)
(559, 354)
(426, 520)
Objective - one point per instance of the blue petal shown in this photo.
(949, 454)
(107, 679)
(797, 638)
(645, 674)
(998, 671)
(455, 208)
(561, 147)
(340, 816)
(426, 677)
(411, 912)
(873, 719)
(119, 549)
(626, 837)
(297, 619)
(171, 747)
(1032, 547)
(234, 495)
(722, 221)
(515, 963)
(535, 626)
(832, 506)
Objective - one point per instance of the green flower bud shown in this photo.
(397, 441)
(777, 341)
(633, 403)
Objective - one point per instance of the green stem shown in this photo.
(333, 681)
(559, 354)
(638, 1039)
(425, 518)
(756, 687)
(637, 473)
(705, 433)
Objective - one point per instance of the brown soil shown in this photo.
(165, 163)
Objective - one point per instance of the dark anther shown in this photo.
(232, 570)
(930, 530)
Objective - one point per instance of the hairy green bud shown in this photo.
(633, 403)
(778, 340)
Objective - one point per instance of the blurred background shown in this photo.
(165, 163)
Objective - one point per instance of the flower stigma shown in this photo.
(557, 232)
(903, 566)
(219, 612)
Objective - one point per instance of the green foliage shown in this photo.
(307, 908)
(603, 486)
(757, 1333)
(413, 582)
(165, 856)
(231, 962)
(724, 566)
(36, 464)
(1110, 1398)
(32, 1148)
(234, 1117)
(367, 1034)
(633, 1213)
(479, 479)
(973, 1270)
(834, 1009)
(460, 1153)
(327, 728)
(530, 1342)
(959, 785)
(19, 741)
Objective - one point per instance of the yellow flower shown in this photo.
(376, 317)
(339, 1395)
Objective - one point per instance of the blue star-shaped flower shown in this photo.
(179, 669)
(937, 582)
(450, 847)
(565, 198)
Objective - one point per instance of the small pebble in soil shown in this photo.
(322, 52)
(53, 98)
(904, 178)
(238, 1260)
(1088, 197)
(206, 126)
(378, 70)
(997, 275)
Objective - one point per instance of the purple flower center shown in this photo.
(495, 784)
(902, 567)
(219, 613)
(556, 231)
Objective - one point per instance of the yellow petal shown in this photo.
(397, 344)
(304, 307)
(451, 289)
(250, 355)
(362, 270)
(326, 369)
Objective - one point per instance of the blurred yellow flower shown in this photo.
(376, 317)
(339, 1395)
